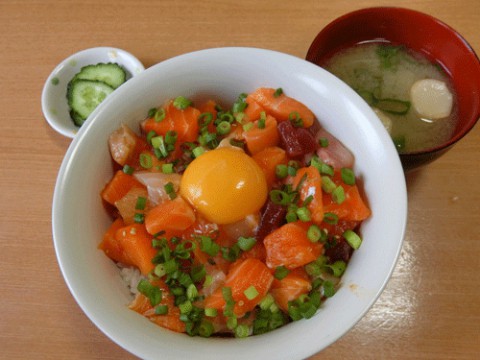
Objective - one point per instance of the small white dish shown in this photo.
(54, 100)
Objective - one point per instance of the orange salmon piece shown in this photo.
(296, 283)
(136, 243)
(289, 246)
(243, 274)
(311, 186)
(141, 304)
(111, 246)
(183, 122)
(268, 159)
(253, 111)
(258, 139)
(282, 106)
(173, 216)
(120, 184)
(353, 208)
(209, 107)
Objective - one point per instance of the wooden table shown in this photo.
(430, 309)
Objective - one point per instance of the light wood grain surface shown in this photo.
(430, 308)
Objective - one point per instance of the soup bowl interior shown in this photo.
(79, 219)
(419, 32)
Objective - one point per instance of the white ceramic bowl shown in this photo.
(54, 94)
(79, 219)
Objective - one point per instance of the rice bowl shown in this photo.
(78, 224)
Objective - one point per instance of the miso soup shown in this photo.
(412, 96)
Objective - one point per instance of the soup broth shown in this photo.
(383, 75)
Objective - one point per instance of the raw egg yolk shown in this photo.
(224, 185)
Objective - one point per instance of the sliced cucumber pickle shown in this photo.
(85, 95)
(90, 86)
(110, 73)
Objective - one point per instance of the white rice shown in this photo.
(131, 276)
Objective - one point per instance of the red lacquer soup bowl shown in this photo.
(418, 32)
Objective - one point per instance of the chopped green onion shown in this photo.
(330, 218)
(230, 253)
(192, 292)
(338, 268)
(338, 195)
(207, 245)
(181, 103)
(261, 123)
(352, 239)
(227, 117)
(279, 197)
(167, 168)
(281, 171)
(323, 142)
(267, 302)
(237, 143)
(151, 134)
(170, 190)
(141, 203)
(241, 331)
(278, 92)
(323, 168)
(246, 243)
(348, 176)
(240, 104)
(158, 144)
(198, 273)
(206, 329)
(127, 169)
(159, 270)
(232, 322)
(303, 214)
(281, 272)
(171, 137)
(251, 293)
(153, 293)
(170, 266)
(295, 119)
(146, 161)
(198, 151)
(208, 280)
(229, 302)
(291, 215)
(157, 141)
(161, 310)
(313, 268)
(223, 128)
(291, 170)
(185, 307)
(239, 117)
(151, 112)
(247, 126)
(307, 200)
(211, 312)
(314, 233)
(327, 184)
(139, 218)
(205, 119)
(159, 115)
(328, 288)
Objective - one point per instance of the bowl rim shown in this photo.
(90, 127)
(311, 56)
